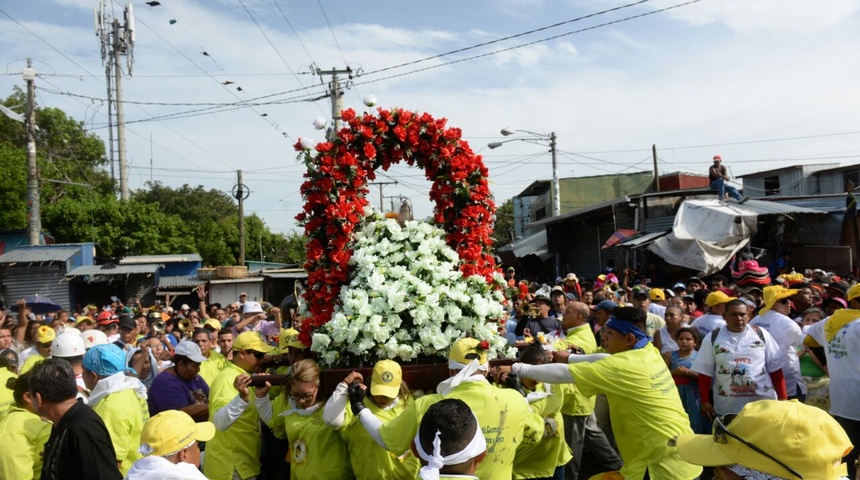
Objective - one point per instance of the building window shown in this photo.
(852, 176)
(771, 185)
(540, 213)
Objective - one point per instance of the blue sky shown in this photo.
(713, 77)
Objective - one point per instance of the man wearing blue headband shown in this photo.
(644, 404)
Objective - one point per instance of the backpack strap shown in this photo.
(714, 334)
(758, 331)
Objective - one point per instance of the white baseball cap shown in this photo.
(92, 338)
(68, 344)
(190, 350)
(185, 307)
(253, 307)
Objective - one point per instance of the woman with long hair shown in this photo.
(24, 434)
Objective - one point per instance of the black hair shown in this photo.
(54, 380)
(198, 331)
(225, 331)
(697, 337)
(177, 359)
(735, 303)
(720, 278)
(454, 421)
(19, 385)
(630, 314)
(534, 354)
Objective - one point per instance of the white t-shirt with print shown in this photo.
(708, 323)
(843, 364)
(740, 364)
(788, 336)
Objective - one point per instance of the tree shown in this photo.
(504, 225)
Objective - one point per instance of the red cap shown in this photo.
(106, 318)
(717, 157)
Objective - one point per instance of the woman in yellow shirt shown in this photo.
(388, 397)
(24, 435)
(317, 451)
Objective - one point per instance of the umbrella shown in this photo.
(619, 236)
(40, 305)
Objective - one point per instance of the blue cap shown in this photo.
(607, 305)
(105, 360)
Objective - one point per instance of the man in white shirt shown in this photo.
(840, 335)
(744, 360)
(773, 317)
(716, 303)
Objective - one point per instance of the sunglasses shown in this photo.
(721, 434)
(258, 355)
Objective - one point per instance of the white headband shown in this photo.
(436, 461)
(455, 365)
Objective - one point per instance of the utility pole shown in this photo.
(336, 92)
(556, 189)
(381, 197)
(656, 174)
(240, 193)
(116, 40)
(34, 219)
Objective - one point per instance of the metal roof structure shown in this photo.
(171, 258)
(91, 270)
(579, 212)
(287, 275)
(762, 207)
(39, 254)
(642, 240)
(180, 281)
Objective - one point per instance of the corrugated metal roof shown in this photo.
(90, 270)
(825, 203)
(642, 239)
(179, 257)
(762, 207)
(180, 281)
(289, 275)
(581, 211)
(39, 254)
(237, 280)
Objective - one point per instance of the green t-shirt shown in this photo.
(124, 414)
(238, 447)
(645, 408)
(24, 435)
(212, 367)
(503, 414)
(575, 403)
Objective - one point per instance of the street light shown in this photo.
(535, 138)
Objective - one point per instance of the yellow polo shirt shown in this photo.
(317, 451)
(645, 408)
(124, 414)
(538, 460)
(23, 436)
(212, 367)
(503, 414)
(575, 403)
(238, 447)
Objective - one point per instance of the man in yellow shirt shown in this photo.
(214, 361)
(45, 335)
(580, 424)
(504, 415)
(644, 403)
(234, 451)
(118, 399)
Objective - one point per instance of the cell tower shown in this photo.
(116, 41)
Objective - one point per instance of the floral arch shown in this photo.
(336, 186)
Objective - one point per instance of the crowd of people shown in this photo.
(749, 377)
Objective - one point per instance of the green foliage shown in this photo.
(504, 225)
(157, 220)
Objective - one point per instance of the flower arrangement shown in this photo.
(336, 184)
(407, 300)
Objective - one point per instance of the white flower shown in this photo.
(307, 142)
(320, 342)
(320, 123)
(369, 100)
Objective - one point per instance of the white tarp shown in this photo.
(706, 234)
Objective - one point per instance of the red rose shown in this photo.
(484, 345)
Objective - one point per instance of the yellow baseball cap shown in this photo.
(213, 324)
(84, 318)
(289, 338)
(45, 334)
(466, 346)
(657, 294)
(804, 438)
(172, 431)
(853, 292)
(715, 298)
(251, 341)
(386, 379)
(775, 293)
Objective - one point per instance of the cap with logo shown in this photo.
(466, 347)
(172, 431)
(386, 379)
(126, 321)
(253, 307)
(68, 344)
(289, 338)
(191, 350)
(251, 341)
(9, 358)
(45, 334)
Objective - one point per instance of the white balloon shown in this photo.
(320, 123)
(370, 100)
